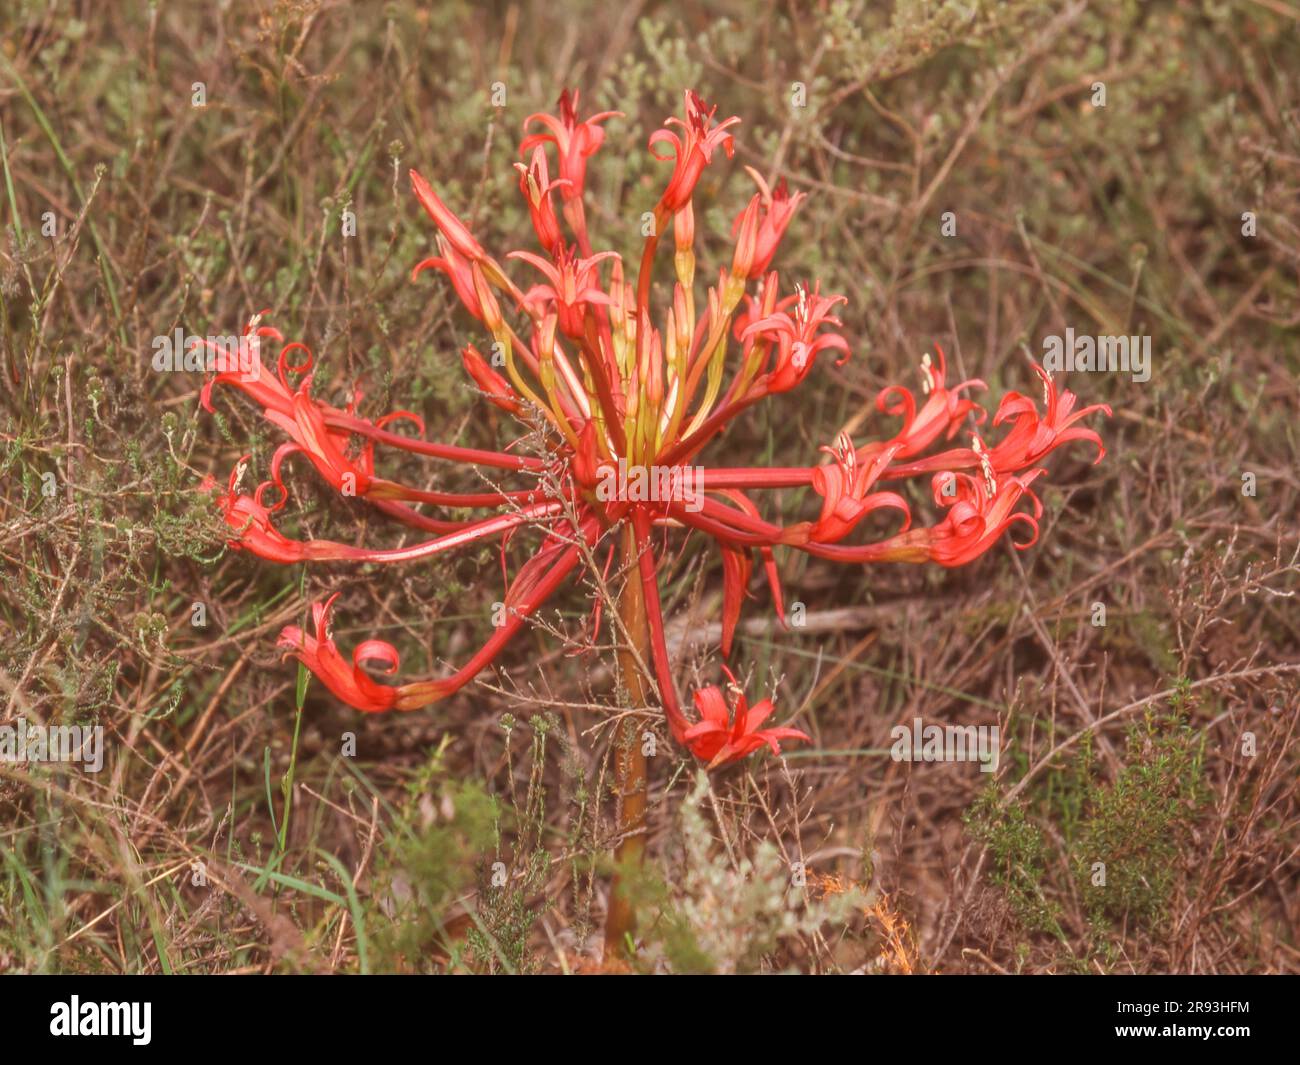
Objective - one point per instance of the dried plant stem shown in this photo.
(629, 759)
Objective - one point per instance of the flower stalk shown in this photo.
(630, 769)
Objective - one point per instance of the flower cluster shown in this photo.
(580, 361)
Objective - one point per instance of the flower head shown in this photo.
(941, 414)
(267, 391)
(250, 520)
(1033, 436)
(845, 487)
(628, 375)
(723, 736)
(458, 269)
(982, 509)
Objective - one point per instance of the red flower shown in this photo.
(267, 391)
(758, 229)
(720, 738)
(535, 183)
(693, 150)
(306, 426)
(737, 565)
(844, 487)
(574, 141)
(490, 383)
(347, 680)
(942, 414)
(983, 511)
(452, 227)
(574, 285)
(796, 337)
(458, 269)
(1033, 437)
(251, 521)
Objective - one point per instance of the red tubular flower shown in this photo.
(490, 383)
(574, 141)
(250, 518)
(941, 415)
(797, 338)
(574, 286)
(1033, 437)
(693, 150)
(631, 390)
(251, 521)
(452, 227)
(266, 391)
(771, 213)
(535, 183)
(844, 487)
(348, 681)
(720, 738)
(458, 269)
(737, 565)
(983, 511)
(324, 447)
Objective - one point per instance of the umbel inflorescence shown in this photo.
(631, 384)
